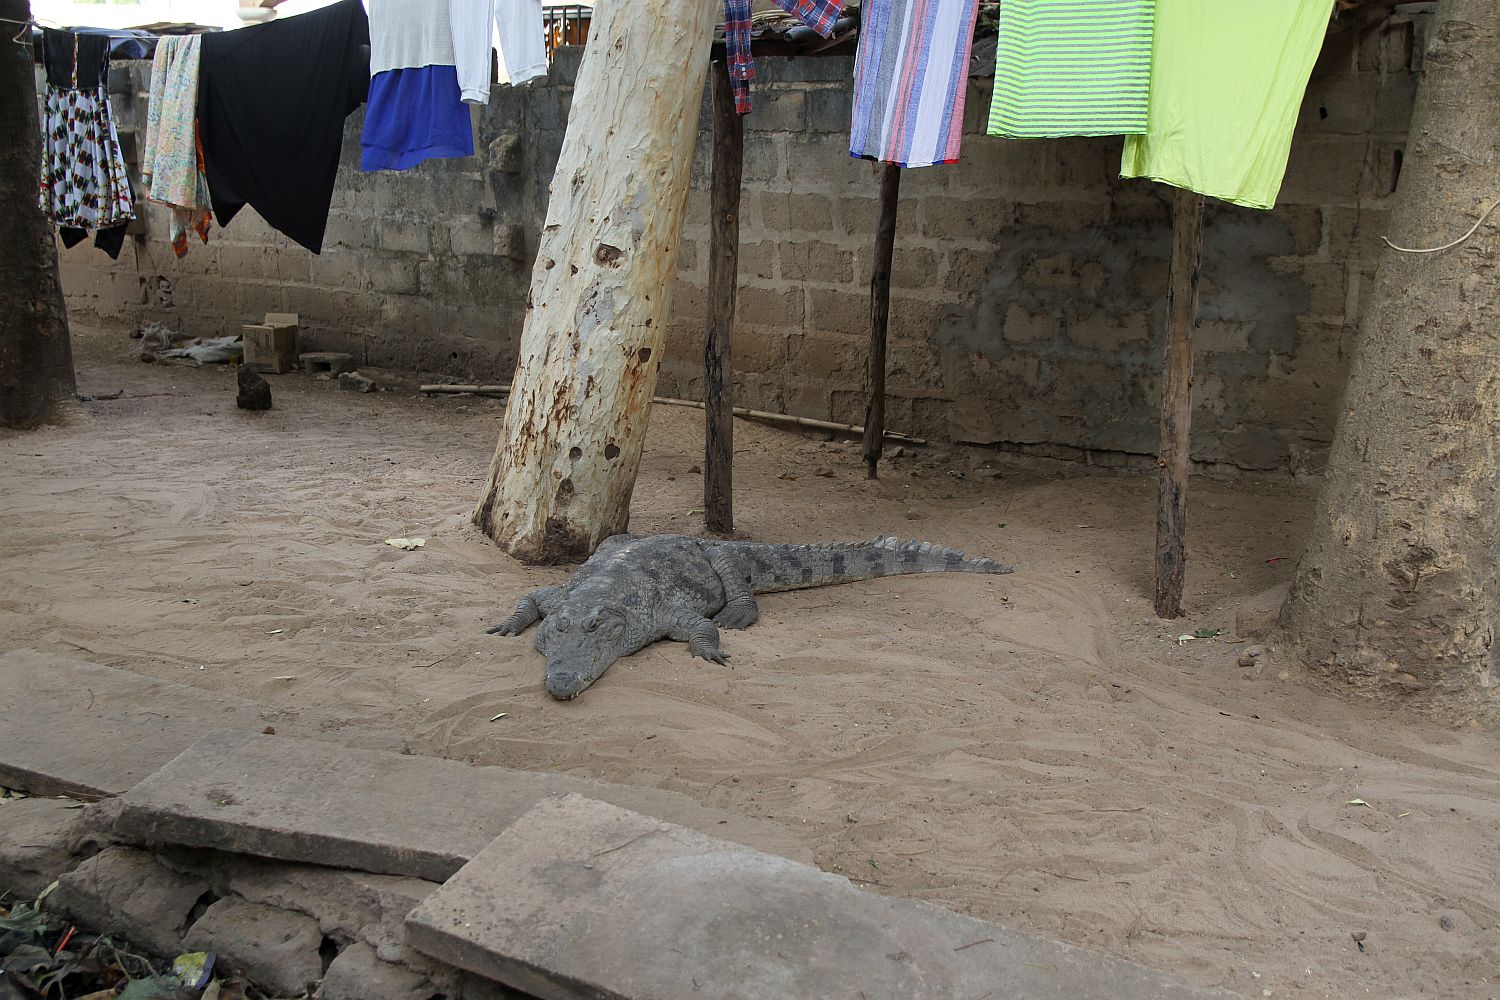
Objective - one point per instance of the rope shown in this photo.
(1446, 246)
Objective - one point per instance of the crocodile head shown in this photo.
(580, 645)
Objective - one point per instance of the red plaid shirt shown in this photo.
(818, 15)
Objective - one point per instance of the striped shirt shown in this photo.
(1072, 67)
(910, 78)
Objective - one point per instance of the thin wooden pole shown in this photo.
(1176, 403)
(723, 270)
(880, 312)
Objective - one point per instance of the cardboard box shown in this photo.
(271, 347)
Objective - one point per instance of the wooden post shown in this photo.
(591, 346)
(723, 270)
(1176, 403)
(880, 312)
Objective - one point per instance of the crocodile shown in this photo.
(635, 590)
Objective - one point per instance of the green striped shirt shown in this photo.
(1072, 67)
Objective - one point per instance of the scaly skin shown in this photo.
(634, 591)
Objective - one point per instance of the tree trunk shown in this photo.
(36, 356)
(591, 346)
(1395, 597)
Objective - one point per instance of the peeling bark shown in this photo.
(591, 346)
(1396, 595)
(36, 355)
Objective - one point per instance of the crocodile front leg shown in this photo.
(533, 608)
(740, 610)
(701, 635)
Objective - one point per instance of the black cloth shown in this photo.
(91, 65)
(272, 99)
(111, 240)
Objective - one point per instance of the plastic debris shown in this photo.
(406, 543)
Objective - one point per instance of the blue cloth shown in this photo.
(415, 115)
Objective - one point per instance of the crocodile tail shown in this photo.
(793, 567)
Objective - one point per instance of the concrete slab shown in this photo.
(582, 899)
(70, 727)
(304, 800)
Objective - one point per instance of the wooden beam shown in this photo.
(880, 312)
(1176, 402)
(723, 271)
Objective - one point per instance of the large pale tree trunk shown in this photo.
(36, 356)
(1396, 596)
(567, 459)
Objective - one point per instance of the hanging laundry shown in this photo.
(84, 185)
(819, 15)
(416, 111)
(473, 33)
(272, 99)
(172, 165)
(910, 78)
(1072, 67)
(522, 38)
(1227, 80)
(737, 59)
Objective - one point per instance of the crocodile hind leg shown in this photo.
(702, 637)
(740, 610)
(532, 609)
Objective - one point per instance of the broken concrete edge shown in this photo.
(148, 827)
(39, 784)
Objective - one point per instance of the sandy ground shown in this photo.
(1037, 749)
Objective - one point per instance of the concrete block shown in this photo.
(829, 111)
(66, 728)
(332, 363)
(827, 69)
(830, 311)
(36, 841)
(815, 260)
(763, 161)
(359, 974)
(274, 949)
(776, 111)
(128, 892)
(782, 212)
(964, 218)
(583, 899)
(301, 800)
(1023, 326)
(403, 234)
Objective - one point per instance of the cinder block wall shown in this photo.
(1028, 284)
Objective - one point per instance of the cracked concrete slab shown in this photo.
(582, 899)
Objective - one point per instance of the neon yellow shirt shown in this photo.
(1227, 79)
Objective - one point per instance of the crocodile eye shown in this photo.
(563, 624)
(592, 625)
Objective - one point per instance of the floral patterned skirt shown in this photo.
(84, 183)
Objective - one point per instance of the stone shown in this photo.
(348, 905)
(277, 950)
(1251, 655)
(36, 843)
(70, 727)
(358, 974)
(355, 382)
(255, 392)
(129, 893)
(314, 802)
(580, 898)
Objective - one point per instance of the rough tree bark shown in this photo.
(1396, 595)
(591, 346)
(36, 355)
